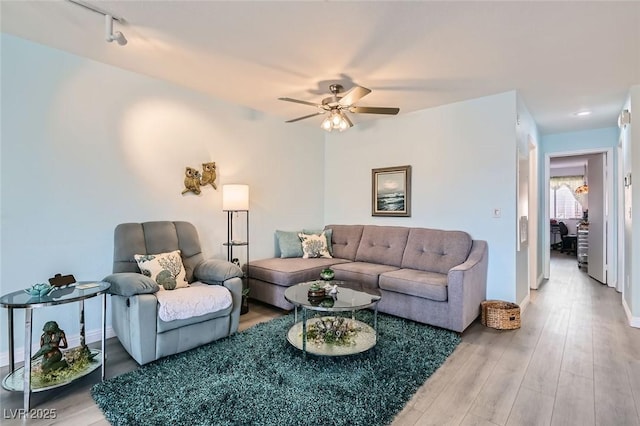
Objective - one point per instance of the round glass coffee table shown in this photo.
(333, 334)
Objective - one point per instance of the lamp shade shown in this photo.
(235, 197)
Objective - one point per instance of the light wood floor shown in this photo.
(574, 361)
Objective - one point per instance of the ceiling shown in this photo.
(562, 57)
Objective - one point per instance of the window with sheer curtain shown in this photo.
(563, 202)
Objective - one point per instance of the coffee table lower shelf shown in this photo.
(363, 341)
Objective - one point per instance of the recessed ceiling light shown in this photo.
(582, 113)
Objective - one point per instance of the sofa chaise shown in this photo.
(430, 276)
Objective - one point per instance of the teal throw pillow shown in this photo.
(289, 244)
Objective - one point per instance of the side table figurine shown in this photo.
(52, 340)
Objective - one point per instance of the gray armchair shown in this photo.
(144, 335)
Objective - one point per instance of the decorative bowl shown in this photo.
(327, 274)
(315, 301)
(39, 290)
(319, 293)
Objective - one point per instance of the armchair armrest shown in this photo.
(216, 271)
(130, 283)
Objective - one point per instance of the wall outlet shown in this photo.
(496, 212)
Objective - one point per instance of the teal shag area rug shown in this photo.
(256, 377)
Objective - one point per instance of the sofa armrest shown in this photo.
(130, 283)
(467, 286)
(216, 271)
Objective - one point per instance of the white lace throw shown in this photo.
(197, 299)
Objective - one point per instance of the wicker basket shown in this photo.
(500, 315)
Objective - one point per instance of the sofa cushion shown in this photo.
(382, 244)
(163, 326)
(345, 240)
(435, 250)
(362, 272)
(427, 285)
(197, 300)
(287, 272)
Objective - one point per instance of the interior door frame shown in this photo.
(611, 207)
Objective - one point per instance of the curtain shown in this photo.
(571, 182)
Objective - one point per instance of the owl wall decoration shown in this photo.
(194, 180)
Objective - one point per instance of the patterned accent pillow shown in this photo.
(314, 245)
(327, 232)
(166, 269)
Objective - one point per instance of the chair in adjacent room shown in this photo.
(569, 241)
(199, 301)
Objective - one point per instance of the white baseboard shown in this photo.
(524, 303)
(633, 321)
(73, 341)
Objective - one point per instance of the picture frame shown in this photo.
(391, 191)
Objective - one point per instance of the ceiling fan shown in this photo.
(338, 104)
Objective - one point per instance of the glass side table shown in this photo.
(77, 292)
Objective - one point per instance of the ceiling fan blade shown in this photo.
(354, 95)
(302, 118)
(374, 110)
(300, 102)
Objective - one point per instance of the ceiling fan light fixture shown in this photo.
(326, 124)
(336, 119)
(337, 106)
(346, 123)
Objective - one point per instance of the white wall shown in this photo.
(463, 166)
(86, 146)
(631, 165)
(527, 151)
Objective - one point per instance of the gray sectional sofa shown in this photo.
(431, 276)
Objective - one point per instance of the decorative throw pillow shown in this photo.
(328, 233)
(289, 244)
(314, 245)
(166, 269)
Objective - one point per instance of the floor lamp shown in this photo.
(235, 198)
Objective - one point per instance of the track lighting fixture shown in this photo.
(110, 35)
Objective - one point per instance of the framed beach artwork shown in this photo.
(391, 191)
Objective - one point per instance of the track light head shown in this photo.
(109, 35)
(119, 37)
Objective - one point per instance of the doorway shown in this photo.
(602, 251)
